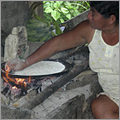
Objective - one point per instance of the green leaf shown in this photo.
(55, 15)
(57, 5)
(87, 4)
(68, 16)
(67, 3)
(52, 4)
(61, 2)
(64, 10)
(76, 13)
(48, 10)
(63, 7)
(62, 21)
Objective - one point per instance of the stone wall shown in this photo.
(13, 14)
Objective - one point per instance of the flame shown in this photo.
(19, 81)
(29, 78)
(14, 87)
(7, 76)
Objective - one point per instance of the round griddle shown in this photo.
(66, 64)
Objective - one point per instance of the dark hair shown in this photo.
(107, 8)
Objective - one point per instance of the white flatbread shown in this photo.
(42, 68)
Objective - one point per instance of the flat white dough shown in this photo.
(42, 68)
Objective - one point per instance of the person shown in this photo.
(101, 32)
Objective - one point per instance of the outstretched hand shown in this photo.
(16, 65)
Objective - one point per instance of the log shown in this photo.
(40, 97)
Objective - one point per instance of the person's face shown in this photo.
(97, 21)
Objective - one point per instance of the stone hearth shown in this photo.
(71, 101)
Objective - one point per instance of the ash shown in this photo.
(14, 93)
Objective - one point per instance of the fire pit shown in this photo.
(16, 86)
(25, 87)
(34, 95)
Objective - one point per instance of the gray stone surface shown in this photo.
(70, 104)
(16, 44)
(13, 14)
(15, 113)
(57, 100)
(56, 105)
(95, 89)
(84, 78)
(68, 110)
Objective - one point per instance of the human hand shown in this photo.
(15, 65)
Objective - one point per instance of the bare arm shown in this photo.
(70, 39)
(78, 36)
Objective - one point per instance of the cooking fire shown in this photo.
(14, 84)
(15, 88)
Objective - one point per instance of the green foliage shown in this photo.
(61, 11)
(55, 13)
(55, 23)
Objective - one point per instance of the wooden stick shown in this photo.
(39, 98)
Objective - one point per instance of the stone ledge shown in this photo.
(68, 110)
(8, 112)
(56, 105)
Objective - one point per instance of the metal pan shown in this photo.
(66, 64)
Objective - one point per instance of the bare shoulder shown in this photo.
(77, 36)
(84, 30)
